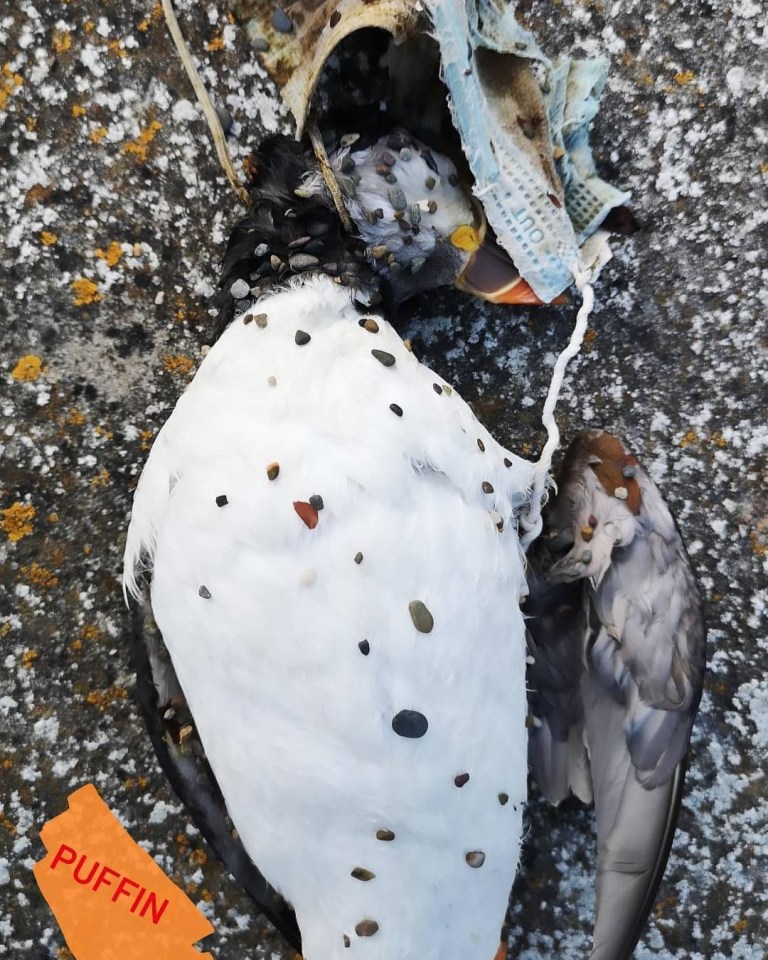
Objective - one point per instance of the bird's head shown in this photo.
(421, 227)
(411, 226)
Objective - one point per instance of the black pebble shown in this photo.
(507, 462)
(335, 17)
(410, 724)
(481, 445)
(301, 338)
(437, 388)
(316, 501)
(503, 799)
(358, 558)
(365, 647)
(396, 409)
(221, 500)
(204, 592)
(384, 358)
(461, 779)
(487, 487)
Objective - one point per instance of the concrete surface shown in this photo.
(114, 216)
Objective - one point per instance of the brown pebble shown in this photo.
(487, 487)
(185, 733)
(430, 183)
(307, 513)
(204, 592)
(461, 779)
(503, 799)
(335, 17)
(360, 873)
(346, 940)
(587, 533)
(384, 358)
(273, 469)
(366, 928)
(480, 445)
(507, 462)
(261, 320)
(475, 858)
(432, 206)
(247, 317)
(370, 325)
(422, 618)
(358, 558)
(437, 388)
(301, 338)
(385, 835)
(592, 520)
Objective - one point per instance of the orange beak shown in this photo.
(491, 275)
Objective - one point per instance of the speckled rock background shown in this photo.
(114, 215)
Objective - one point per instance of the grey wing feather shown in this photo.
(181, 755)
(622, 673)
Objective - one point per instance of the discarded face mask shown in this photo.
(523, 119)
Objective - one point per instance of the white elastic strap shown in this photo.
(531, 523)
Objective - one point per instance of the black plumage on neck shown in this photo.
(286, 235)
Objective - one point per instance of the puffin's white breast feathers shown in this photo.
(336, 574)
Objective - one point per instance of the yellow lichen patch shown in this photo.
(9, 81)
(62, 40)
(7, 824)
(89, 26)
(116, 47)
(685, 77)
(216, 44)
(740, 926)
(48, 238)
(689, 438)
(7, 763)
(53, 518)
(102, 432)
(28, 368)
(5, 630)
(39, 576)
(17, 521)
(28, 658)
(177, 363)
(143, 26)
(103, 698)
(146, 438)
(111, 255)
(199, 858)
(98, 134)
(139, 147)
(86, 292)
(763, 167)
(101, 479)
(64, 953)
(78, 110)
(75, 418)
(718, 439)
(87, 550)
(758, 539)
(206, 895)
(140, 781)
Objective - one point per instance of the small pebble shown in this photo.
(316, 501)
(364, 647)
(370, 325)
(592, 520)
(347, 164)
(417, 263)
(497, 520)
(273, 469)
(261, 320)
(396, 409)
(272, 381)
(475, 858)
(385, 835)
(398, 199)
(628, 472)
(262, 250)
(225, 119)
(260, 45)
(281, 21)
(360, 873)
(453, 180)
(307, 513)
(303, 261)
(275, 262)
(239, 289)
(391, 178)
(587, 533)
(461, 779)
(302, 338)
(221, 500)
(503, 799)
(432, 206)
(388, 159)
(366, 928)
(405, 154)
(410, 724)
(586, 556)
(507, 462)
(430, 183)
(358, 558)
(480, 445)
(346, 940)
(487, 487)
(386, 359)
(348, 139)
(421, 617)
(204, 592)
(437, 388)
(379, 251)
(621, 493)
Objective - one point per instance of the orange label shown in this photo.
(111, 899)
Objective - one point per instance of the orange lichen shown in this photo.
(75, 418)
(78, 110)
(146, 438)
(116, 47)
(62, 40)
(98, 134)
(216, 44)
(101, 479)
(139, 147)
(40, 576)
(111, 255)
(64, 953)
(28, 658)
(86, 292)
(5, 630)
(9, 825)
(689, 438)
(206, 895)
(17, 521)
(9, 82)
(103, 698)
(53, 518)
(87, 548)
(718, 439)
(684, 77)
(199, 858)
(101, 431)
(740, 926)
(758, 539)
(48, 238)
(28, 368)
(89, 26)
(177, 363)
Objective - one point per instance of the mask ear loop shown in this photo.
(531, 522)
